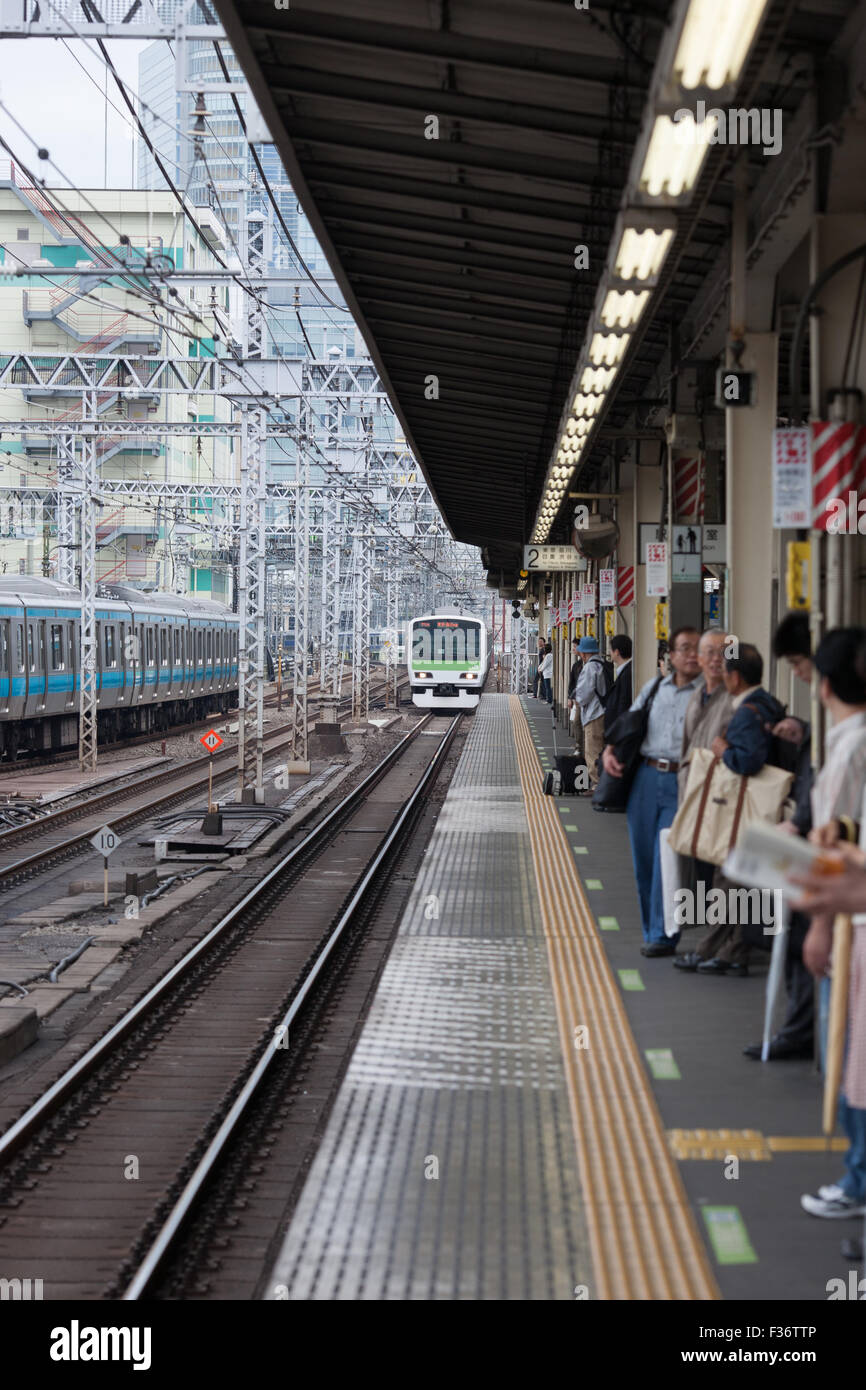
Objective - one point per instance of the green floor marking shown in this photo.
(729, 1237)
(608, 923)
(578, 849)
(593, 884)
(662, 1064)
(571, 827)
(564, 811)
(630, 979)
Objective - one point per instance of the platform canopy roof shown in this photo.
(451, 156)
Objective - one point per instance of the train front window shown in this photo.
(446, 640)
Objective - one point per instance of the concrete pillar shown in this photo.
(833, 235)
(627, 549)
(752, 548)
(647, 495)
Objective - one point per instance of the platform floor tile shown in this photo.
(447, 1169)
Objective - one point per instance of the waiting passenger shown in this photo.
(792, 641)
(838, 792)
(826, 896)
(546, 670)
(744, 749)
(620, 695)
(591, 689)
(708, 714)
(652, 800)
(537, 685)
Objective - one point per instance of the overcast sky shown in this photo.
(61, 107)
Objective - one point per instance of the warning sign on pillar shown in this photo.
(607, 580)
(656, 569)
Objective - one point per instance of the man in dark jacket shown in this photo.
(792, 642)
(619, 696)
(749, 737)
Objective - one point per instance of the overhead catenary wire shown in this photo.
(357, 502)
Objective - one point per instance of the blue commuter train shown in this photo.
(161, 660)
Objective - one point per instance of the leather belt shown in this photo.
(662, 764)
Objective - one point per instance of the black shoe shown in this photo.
(721, 967)
(852, 1249)
(689, 960)
(780, 1050)
(658, 948)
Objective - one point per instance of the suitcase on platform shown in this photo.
(562, 781)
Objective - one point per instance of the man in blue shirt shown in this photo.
(652, 801)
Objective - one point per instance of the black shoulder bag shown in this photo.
(626, 734)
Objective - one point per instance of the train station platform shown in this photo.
(534, 1111)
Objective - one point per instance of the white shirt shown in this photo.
(838, 787)
(547, 666)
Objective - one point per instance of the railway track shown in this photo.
(137, 799)
(101, 1178)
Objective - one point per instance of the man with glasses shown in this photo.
(652, 801)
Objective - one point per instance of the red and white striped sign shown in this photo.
(571, 609)
(689, 488)
(625, 585)
(838, 467)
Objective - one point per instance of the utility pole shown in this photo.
(361, 630)
(87, 716)
(302, 599)
(330, 632)
(391, 583)
(251, 564)
(67, 482)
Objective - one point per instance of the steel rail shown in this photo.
(164, 1242)
(64, 1087)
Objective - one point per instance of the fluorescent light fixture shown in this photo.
(607, 349)
(623, 308)
(586, 405)
(597, 379)
(641, 254)
(715, 41)
(677, 150)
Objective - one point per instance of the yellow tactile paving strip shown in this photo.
(645, 1242)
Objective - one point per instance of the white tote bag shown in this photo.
(718, 804)
(670, 866)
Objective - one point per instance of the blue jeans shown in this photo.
(852, 1121)
(546, 690)
(652, 805)
(853, 1124)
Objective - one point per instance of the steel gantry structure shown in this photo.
(378, 483)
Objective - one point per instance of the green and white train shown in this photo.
(448, 657)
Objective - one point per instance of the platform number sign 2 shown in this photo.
(105, 841)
